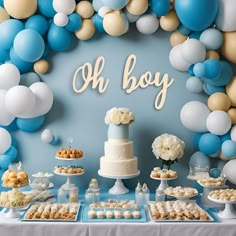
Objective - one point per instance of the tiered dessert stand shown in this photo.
(119, 187)
(164, 182)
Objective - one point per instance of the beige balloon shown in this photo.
(224, 158)
(137, 7)
(3, 15)
(169, 22)
(177, 38)
(211, 54)
(86, 31)
(228, 47)
(114, 24)
(84, 9)
(219, 101)
(41, 66)
(20, 9)
(232, 114)
(230, 90)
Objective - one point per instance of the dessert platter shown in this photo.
(69, 154)
(163, 175)
(227, 197)
(181, 193)
(41, 181)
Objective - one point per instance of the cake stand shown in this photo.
(164, 182)
(118, 187)
(13, 212)
(228, 212)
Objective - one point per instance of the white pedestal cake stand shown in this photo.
(118, 187)
(163, 184)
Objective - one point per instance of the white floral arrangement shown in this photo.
(119, 116)
(169, 148)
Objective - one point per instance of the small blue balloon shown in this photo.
(38, 23)
(160, 7)
(195, 35)
(75, 22)
(194, 85)
(59, 38)
(212, 39)
(196, 139)
(213, 68)
(46, 8)
(29, 78)
(98, 22)
(1, 3)
(209, 143)
(10, 127)
(184, 30)
(4, 55)
(8, 30)
(31, 124)
(199, 70)
(12, 153)
(225, 137)
(228, 148)
(210, 89)
(199, 159)
(190, 70)
(29, 45)
(115, 4)
(5, 160)
(97, 4)
(215, 172)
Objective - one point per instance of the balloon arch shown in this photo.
(203, 45)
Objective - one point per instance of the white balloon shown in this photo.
(233, 133)
(5, 140)
(226, 17)
(147, 24)
(43, 98)
(193, 51)
(47, 136)
(193, 116)
(5, 116)
(229, 171)
(60, 19)
(9, 76)
(176, 59)
(218, 122)
(66, 7)
(103, 11)
(20, 101)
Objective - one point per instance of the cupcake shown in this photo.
(100, 214)
(118, 214)
(127, 214)
(136, 214)
(109, 214)
(92, 214)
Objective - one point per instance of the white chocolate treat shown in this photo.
(92, 214)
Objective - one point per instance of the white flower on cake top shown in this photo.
(119, 116)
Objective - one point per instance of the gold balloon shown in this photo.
(177, 38)
(169, 22)
(84, 9)
(20, 9)
(137, 7)
(41, 66)
(228, 47)
(86, 31)
(212, 54)
(224, 158)
(114, 24)
(219, 101)
(3, 15)
(230, 90)
(232, 114)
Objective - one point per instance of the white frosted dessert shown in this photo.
(118, 159)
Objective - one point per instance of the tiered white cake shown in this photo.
(118, 159)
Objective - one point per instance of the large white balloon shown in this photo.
(63, 6)
(43, 98)
(20, 101)
(233, 133)
(147, 24)
(5, 116)
(226, 17)
(176, 59)
(60, 19)
(193, 116)
(5, 140)
(47, 136)
(193, 51)
(229, 170)
(9, 76)
(218, 122)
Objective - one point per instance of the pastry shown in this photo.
(127, 214)
(109, 214)
(100, 214)
(69, 153)
(136, 214)
(118, 214)
(92, 214)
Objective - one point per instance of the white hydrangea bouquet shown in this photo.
(169, 148)
(119, 116)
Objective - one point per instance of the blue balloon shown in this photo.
(212, 39)
(199, 159)
(10, 127)
(228, 148)
(215, 172)
(31, 124)
(199, 70)
(5, 160)
(209, 143)
(115, 4)
(190, 70)
(210, 89)
(195, 35)
(183, 30)
(160, 7)
(59, 38)
(29, 78)
(225, 137)
(196, 15)
(46, 8)
(22, 65)
(194, 85)
(8, 30)
(97, 4)
(29, 45)
(4, 55)
(98, 23)
(196, 139)
(75, 22)
(46, 52)
(12, 153)
(38, 23)
(1, 3)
